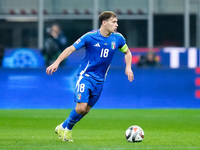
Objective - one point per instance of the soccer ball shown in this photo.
(134, 134)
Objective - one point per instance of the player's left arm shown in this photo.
(128, 70)
(128, 60)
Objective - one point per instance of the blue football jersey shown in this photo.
(99, 53)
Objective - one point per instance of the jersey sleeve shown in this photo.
(81, 42)
(122, 44)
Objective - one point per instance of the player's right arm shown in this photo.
(77, 45)
(53, 68)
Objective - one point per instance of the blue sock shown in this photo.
(72, 119)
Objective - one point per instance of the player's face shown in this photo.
(111, 24)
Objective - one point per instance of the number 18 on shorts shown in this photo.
(88, 91)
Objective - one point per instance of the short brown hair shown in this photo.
(106, 15)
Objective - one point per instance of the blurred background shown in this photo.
(163, 36)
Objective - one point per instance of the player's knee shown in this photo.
(81, 110)
(88, 109)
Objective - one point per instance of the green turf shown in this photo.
(101, 129)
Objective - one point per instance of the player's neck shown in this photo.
(104, 32)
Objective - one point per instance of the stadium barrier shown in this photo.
(173, 57)
(152, 88)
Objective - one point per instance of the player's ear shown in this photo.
(104, 22)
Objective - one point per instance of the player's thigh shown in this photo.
(95, 93)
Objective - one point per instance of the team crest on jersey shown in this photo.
(79, 96)
(113, 45)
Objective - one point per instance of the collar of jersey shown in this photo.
(102, 35)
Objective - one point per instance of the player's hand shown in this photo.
(129, 73)
(52, 68)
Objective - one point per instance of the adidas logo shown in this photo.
(97, 45)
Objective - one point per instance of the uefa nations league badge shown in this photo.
(113, 45)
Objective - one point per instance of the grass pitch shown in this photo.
(101, 129)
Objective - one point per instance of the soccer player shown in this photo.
(100, 46)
